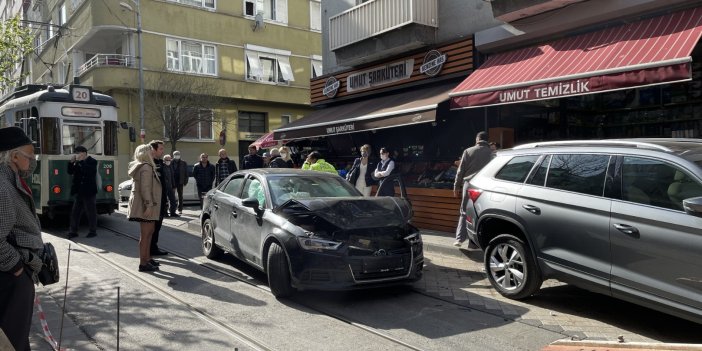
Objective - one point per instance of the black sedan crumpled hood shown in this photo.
(356, 212)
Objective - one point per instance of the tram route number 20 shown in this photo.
(81, 94)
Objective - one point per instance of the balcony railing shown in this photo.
(111, 60)
(378, 16)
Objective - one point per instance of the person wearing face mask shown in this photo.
(83, 168)
(277, 160)
(382, 171)
(169, 185)
(180, 177)
(285, 155)
(361, 172)
(20, 237)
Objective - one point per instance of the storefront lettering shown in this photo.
(380, 76)
(433, 62)
(341, 128)
(557, 89)
(331, 87)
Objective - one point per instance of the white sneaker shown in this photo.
(457, 243)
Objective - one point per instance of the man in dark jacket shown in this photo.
(157, 152)
(204, 174)
(224, 167)
(473, 160)
(180, 177)
(252, 160)
(168, 184)
(277, 161)
(84, 190)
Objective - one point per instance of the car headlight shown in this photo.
(312, 244)
(414, 238)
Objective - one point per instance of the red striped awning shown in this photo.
(647, 52)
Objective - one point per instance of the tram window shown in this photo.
(111, 128)
(89, 136)
(50, 142)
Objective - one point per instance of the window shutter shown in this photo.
(254, 65)
(317, 67)
(285, 68)
(281, 11)
(260, 7)
(315, 15)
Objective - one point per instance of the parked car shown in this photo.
(311, 230)
(618, 217)
(189, 191)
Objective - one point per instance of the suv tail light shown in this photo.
(474, 194)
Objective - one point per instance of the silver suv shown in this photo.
(618, 217)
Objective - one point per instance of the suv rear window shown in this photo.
(517, 169)
(580, 173)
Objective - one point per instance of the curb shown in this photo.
(565, 345)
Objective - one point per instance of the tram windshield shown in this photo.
(89, 136)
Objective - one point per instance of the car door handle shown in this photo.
(626, 229)
(533, 209)
(234, 214)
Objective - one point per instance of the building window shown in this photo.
(208, 4)
(199, 123)
(285, 119)
(315, 15)
(268, 65)
(62, 14)
(190, 57)
(49, 29)
(316, 66)
(272, 10)
(252, 122)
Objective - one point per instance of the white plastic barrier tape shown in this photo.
(45, 327)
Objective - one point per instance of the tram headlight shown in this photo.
(108, 188)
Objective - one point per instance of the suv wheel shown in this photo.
(511, 267)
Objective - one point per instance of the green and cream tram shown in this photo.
(58, 120)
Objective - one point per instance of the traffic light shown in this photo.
(132, 134)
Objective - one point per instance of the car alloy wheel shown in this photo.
(209, 249)
(511, 269)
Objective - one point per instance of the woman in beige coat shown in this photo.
(144, 202)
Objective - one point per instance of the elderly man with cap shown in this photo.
(20, 237)
(84, 190)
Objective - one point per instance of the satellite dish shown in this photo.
(258, 21)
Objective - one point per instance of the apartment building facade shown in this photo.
(256, 56)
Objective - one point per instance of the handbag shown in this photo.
(49, 273)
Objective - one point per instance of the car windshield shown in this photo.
(284, 188)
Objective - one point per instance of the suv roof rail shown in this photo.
(609, 142)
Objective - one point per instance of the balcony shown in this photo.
(111, 60)
(373, 18)
(512, 10)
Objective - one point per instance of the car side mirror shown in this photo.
(693, 206)
(252, 202)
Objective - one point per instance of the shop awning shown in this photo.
(265, 141)
(647, 52)
(412, 107)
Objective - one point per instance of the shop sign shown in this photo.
(331, 87)
(433, 62)
(342, 128)
(545, 91)
(390, 73)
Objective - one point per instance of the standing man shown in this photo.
(224, 167)
(180, 177)
(204, 173)
(157, 153)
(252, 160)
(169, 182)
(83, 189)
(472, 160)
(20, 237)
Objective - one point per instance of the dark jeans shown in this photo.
(16, 307)
(87, 203)
(201, 195)
(179, 189)
(159, 223)
(171, 201)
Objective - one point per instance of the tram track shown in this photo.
(244, 337)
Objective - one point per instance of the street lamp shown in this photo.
(142, 134)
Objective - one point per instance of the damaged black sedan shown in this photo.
(311, 230)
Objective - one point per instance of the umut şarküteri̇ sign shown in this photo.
(390, 73)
